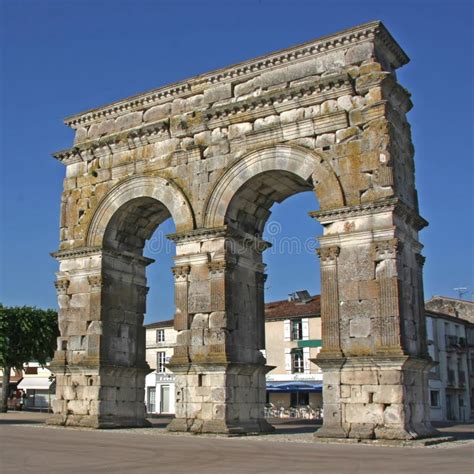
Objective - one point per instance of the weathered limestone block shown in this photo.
(129, 120)
(157, 112)
(218, 93)
(346, 134)
(247, 87)
(218, 319)
(266, 122)
(239, 129)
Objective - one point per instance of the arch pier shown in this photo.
(214, 153)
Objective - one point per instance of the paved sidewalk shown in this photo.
(27, 445)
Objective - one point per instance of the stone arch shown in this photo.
(302, 169)
(338, 93)
(163, 195)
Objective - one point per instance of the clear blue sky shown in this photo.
(63, 57)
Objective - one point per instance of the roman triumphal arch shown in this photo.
(214, 153)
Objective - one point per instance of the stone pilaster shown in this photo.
(330, 301)
(260, 279)
(181, 274)
(376, 385)
(388, 337)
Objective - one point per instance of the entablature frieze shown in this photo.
(249, 109)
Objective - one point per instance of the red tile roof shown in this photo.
(274, 310)
(293, 309)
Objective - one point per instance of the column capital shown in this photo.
(328, 255)
(181, 272)
(420, 259)
(95, 281)
(217, 268)
(386, 249)
(61, 284)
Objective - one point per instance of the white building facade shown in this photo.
(159, 384)
(449, 380)
(293, 339)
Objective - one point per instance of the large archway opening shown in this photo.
(293, 334)
(124, 299)
(276, 240)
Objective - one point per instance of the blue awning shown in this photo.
(293, 387)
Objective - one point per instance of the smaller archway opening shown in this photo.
(273, 207)
(249, 209)
(134, 223)
(124, 266)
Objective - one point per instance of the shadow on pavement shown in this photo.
(287, 426)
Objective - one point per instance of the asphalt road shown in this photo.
(28, 447)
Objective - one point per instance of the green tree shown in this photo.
(26, 334)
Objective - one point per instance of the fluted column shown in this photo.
(329, 301)
(181, 278)
(388, 337)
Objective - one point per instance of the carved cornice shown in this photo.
(128, 256)
(366, 32)
(410, 216)
(228, 232)
(198, 234)
(328, 255)
(76, 253)
(115, 142)
(392, 204)
(92, 251)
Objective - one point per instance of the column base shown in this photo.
(330, 432)
(97, 421)
(197, 426)
(220, 398)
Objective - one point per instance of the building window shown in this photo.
(299, 399)
(434, 398)
(297, 362)
(296, 329)
(160, 335)
(160, 362)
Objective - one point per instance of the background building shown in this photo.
(450, 334)
(293, 338)
(159, 384)
(38, 385)
(32, 388)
